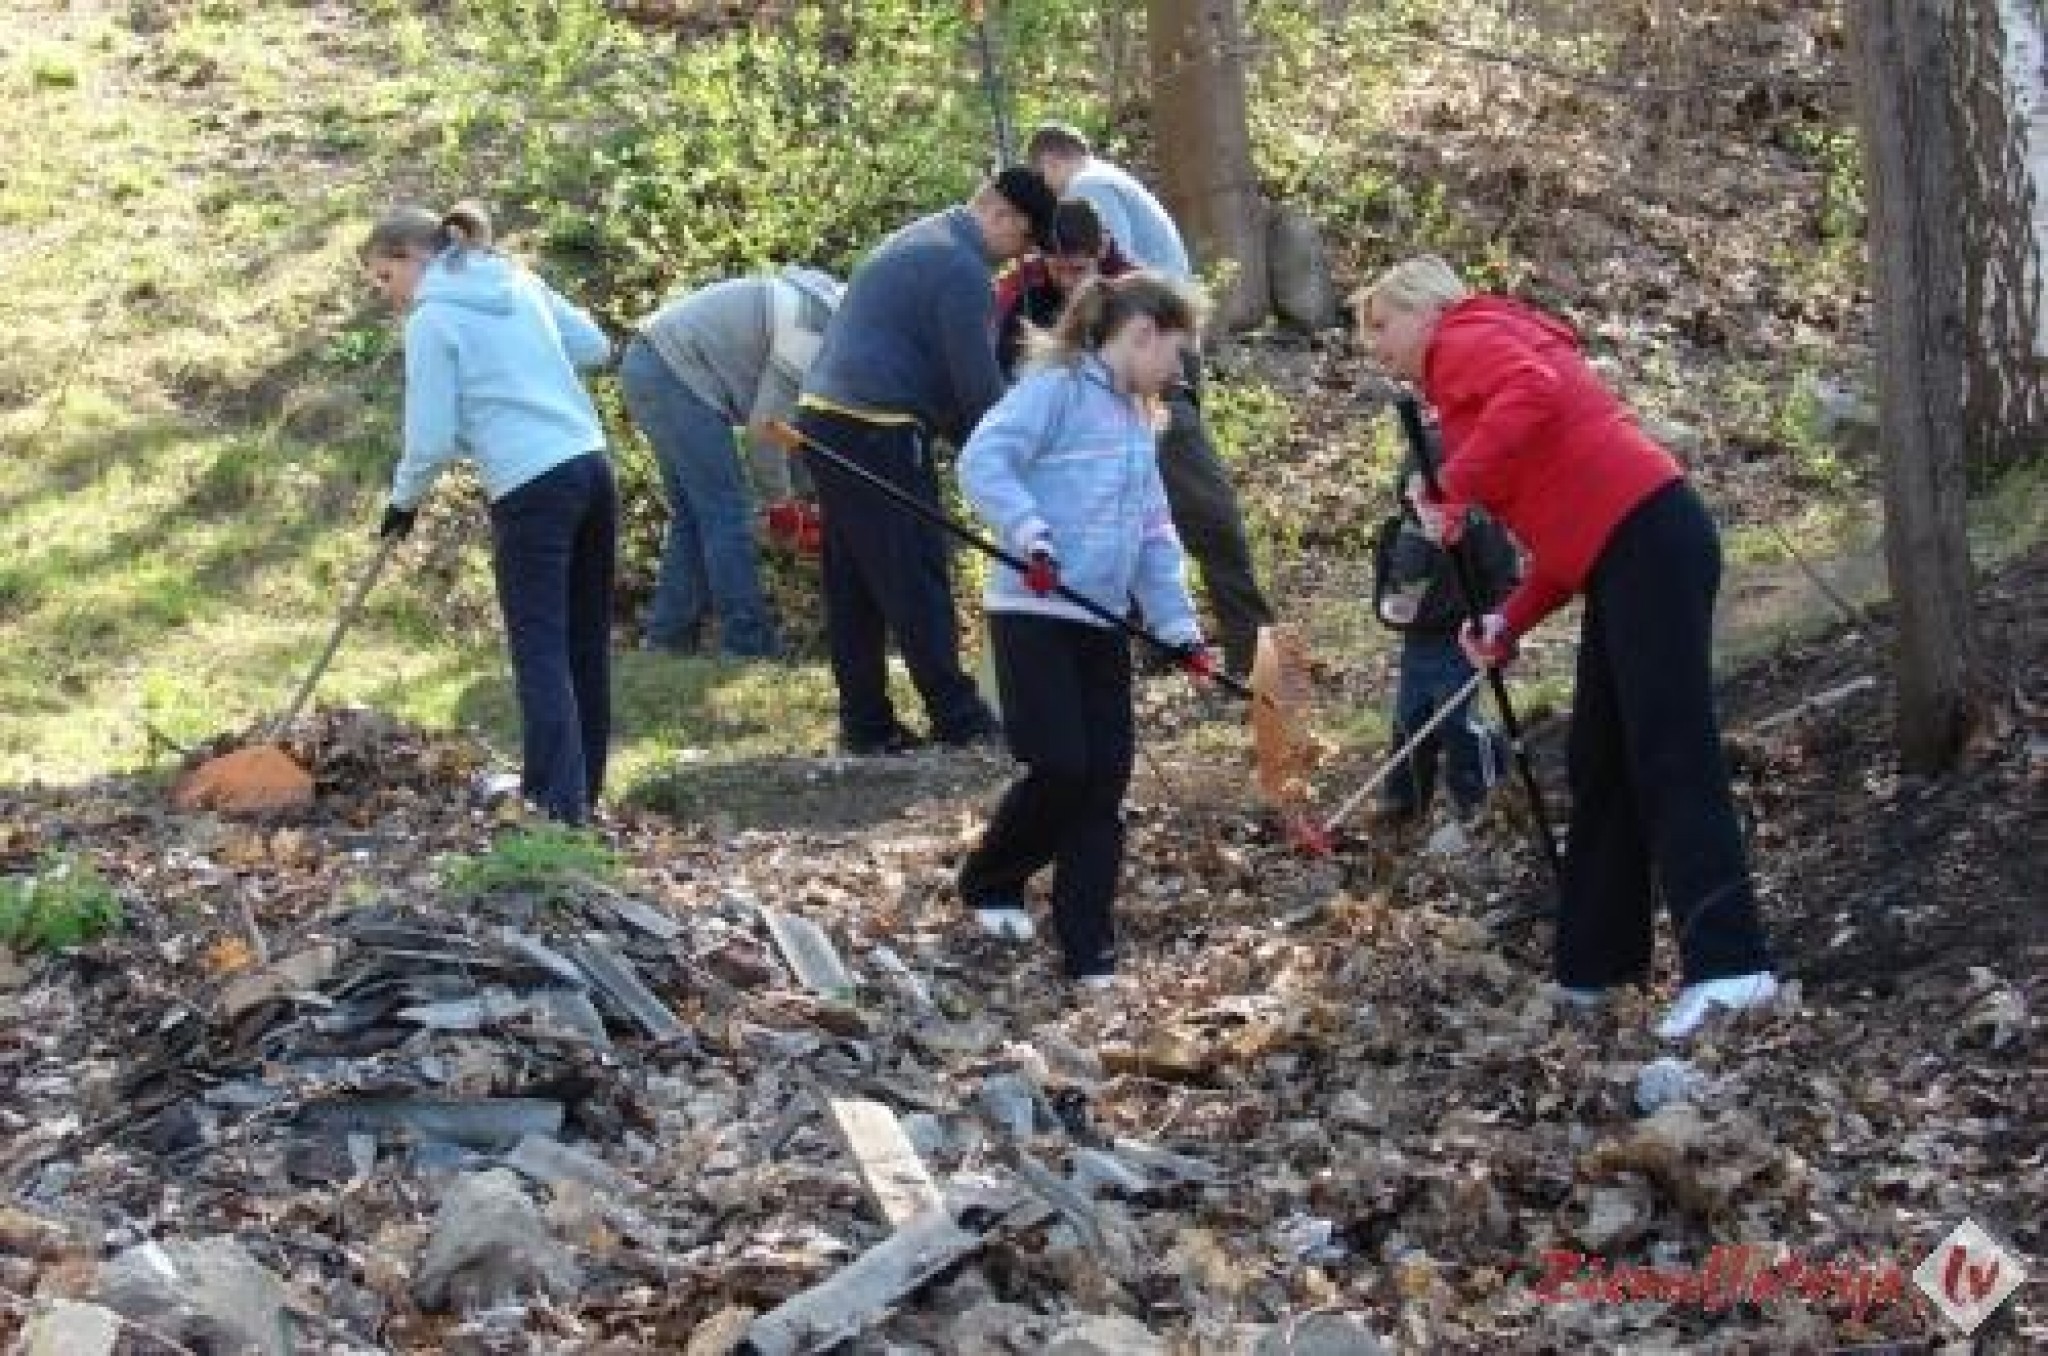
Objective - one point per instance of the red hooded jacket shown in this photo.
(1535, 439)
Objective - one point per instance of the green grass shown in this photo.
(64, 903)
(547, 862)
(197, 416)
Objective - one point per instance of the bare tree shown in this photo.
(2000, 48)
(1904, 108)
(1205, 148)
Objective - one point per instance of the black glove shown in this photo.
(397, 524)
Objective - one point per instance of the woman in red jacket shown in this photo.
(1534, 438)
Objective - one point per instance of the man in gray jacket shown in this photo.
(731, 354)
(1205, 505)
(910, 358)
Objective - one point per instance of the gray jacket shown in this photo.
(742, 347)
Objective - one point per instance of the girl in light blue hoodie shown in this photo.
(491, 373)
(1065, 469)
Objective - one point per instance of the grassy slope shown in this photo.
(198, 401)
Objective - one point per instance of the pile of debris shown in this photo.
(765, 1090)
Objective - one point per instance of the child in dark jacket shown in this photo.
(1416, 593)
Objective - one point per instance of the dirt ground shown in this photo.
(1403, 1127)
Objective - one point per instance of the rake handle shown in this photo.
(795, 439)
(1417, 437)
(351, 608)
(1402, 754)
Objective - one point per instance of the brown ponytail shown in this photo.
(1103, 306)
(412, 230)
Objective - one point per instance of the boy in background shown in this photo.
(1416, 593)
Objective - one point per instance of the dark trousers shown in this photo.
(1651, 805)
(1433, 669)
(1210, 522)
(554, 550)
(888, 572)
(1066, 689)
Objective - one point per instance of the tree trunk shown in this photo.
(1903, 107)
(1205, 149)
(2002, 126)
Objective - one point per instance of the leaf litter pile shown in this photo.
(763, 1089)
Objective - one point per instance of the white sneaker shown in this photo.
(1097, 983)
(1009, 925)
(1696, 1001)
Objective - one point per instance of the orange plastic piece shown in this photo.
(263, 779)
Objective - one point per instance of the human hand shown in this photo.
(1042, 571)
(1487, 643)
(1443, 520)
(795, 526)
(1196, 660)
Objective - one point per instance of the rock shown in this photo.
(490, 1246)
(1840, 413)
(68, 1328)
(1105, 1335)
(1298, 268)
(1615, 1215)
(992, 1330)
(1321, 1335)
(720, 1334)
(1665, 1081)
(1680, 439)
(207, 1293)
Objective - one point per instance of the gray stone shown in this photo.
(993, 1329)
(1680, 439)
(1298, 267)
(489, 1247)
(1321, 1335)
(209, 1292)
(1667, 1080)
(68, 1328)
(1842, 413)
(1105, 1335)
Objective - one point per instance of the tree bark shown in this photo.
(1903, 105)
(2002, 124)
(1204, 146)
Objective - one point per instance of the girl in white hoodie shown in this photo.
(491, 373)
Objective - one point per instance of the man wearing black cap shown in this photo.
(908, 358)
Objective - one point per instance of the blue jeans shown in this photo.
(708, 563)
(554, 547)
(1433, 668)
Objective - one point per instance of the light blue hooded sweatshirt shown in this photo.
(491, 359)
(1067, 463)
